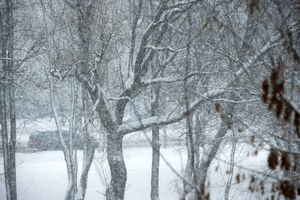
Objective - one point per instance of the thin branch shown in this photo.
(70, 5)
(157, 121)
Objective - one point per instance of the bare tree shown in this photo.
(168, 49)
(69, 146)
(113, 122)
(7, 97)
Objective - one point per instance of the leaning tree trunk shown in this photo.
(69, 152)
(88, 156)
(206, 161)
(118, 172)
(226, 124)
(70, 192)
(89, 148)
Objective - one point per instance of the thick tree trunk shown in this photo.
(117, 167)
(8, 134)
(4, 137)
(7, 99)
(12, 142)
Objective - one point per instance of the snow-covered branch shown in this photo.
(173, 80)
(183, 3)
(237, 102)
(156, 121)
(160, 48)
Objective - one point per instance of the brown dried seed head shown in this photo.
(255, 153)
(297, 123)
(264, 98)
(274, 100)
(262, 187)
(273, 188)
(280, 87)
(252, 6)
(240, 130)
(274, 77)
(265, 86)
(273, 159)
(253, 179)
(238, 178)
(288, 189)
(285, 163)
(297, 129)
(218, 107)
(287, 113)
(278, 109)
(207, 196)
(252, 139)
(229, 124)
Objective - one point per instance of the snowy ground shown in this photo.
(42, 175)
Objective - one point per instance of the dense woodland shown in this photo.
(227, 71)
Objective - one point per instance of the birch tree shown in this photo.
(78, 125)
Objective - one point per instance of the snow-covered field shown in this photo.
(42, 175)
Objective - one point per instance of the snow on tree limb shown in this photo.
(157, 121)
(173, 80)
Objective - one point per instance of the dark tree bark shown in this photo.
(155, 147)
(117, 167)
(7, 98)
(90, 77)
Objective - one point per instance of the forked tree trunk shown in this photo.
(66, 148)
(72, 178)
(118, 172)
(73, 191)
